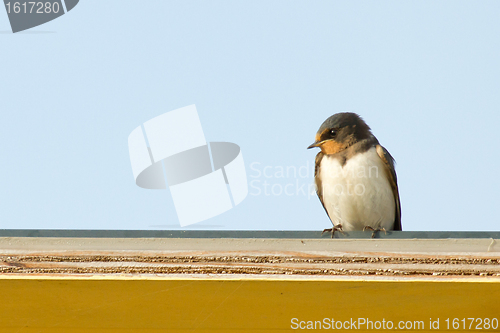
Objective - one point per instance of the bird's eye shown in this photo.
(333, 132)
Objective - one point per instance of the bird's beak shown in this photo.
(315, 144)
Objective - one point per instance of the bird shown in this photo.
(355, 177)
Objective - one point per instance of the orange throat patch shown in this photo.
(331, 147)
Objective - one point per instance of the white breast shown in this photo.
(357, 194)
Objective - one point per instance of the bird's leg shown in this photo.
(374, 231)
(337, 227)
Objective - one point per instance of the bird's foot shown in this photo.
(337, 227)
(374, 231)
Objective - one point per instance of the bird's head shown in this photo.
(341, 131)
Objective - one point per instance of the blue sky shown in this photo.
(424, 75)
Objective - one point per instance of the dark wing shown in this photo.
(317, 180)
(393, 180)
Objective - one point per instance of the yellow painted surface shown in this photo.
(212, 305)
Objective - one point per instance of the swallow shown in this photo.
(355, 177)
